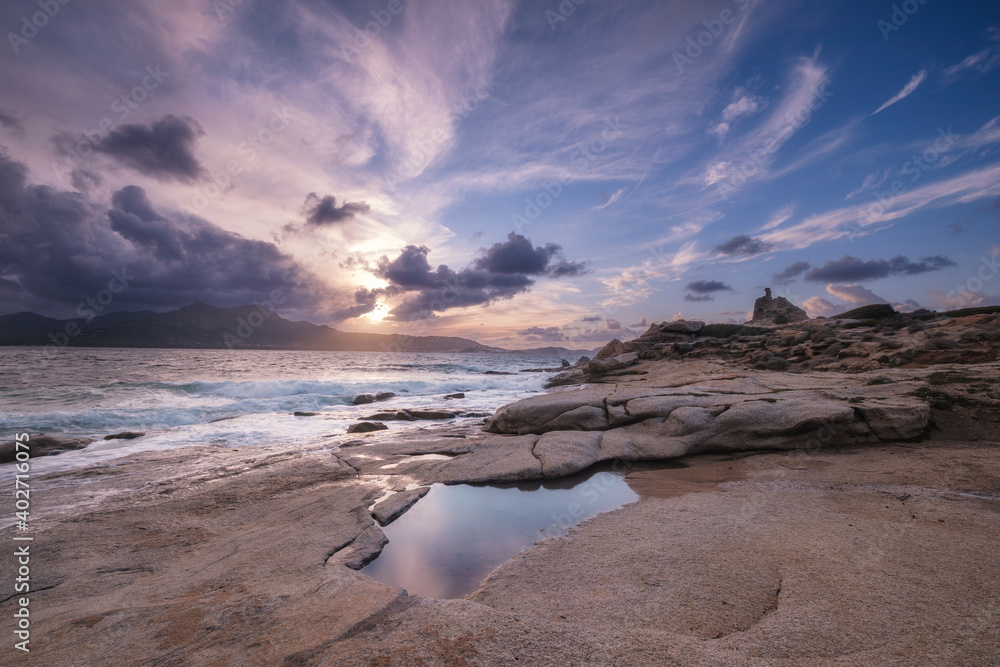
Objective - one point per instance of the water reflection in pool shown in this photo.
(456, 535)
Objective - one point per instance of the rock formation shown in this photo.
(771, 311)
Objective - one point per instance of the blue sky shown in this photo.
(520, 173)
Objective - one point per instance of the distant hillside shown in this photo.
(200, 326)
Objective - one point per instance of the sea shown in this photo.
(234, 398)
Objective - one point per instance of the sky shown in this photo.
(521, 173)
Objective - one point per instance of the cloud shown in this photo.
(503, 271)
(516, 255)
(742, 106)
(321, 211)
(742, 245)
(849, 268)
(365, 302)
(907, 90)
(788, 274)
(965, 299)
(850, 221)
(855, 294)
(957, 227)
(163, 150)
(981, 63)
(872, 180)
(817, 306)
(703, 289)
(779, 217)
(62, 248)
(608, 201)
(11, 123)
(707, 286)
(542, 333)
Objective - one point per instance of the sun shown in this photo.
(379, 313)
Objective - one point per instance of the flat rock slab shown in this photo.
(395, 505)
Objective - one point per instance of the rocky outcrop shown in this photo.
(852, 346)
(772, 311)
(41, 445)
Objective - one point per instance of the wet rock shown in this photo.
(384, 395)
(395, 505)
(411, 415)
(364, 399)
(364, 549)
(41, 445)
(366, 427)
(457, 395)
(124, 435)
(304, 414)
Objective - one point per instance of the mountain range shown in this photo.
(201, 326)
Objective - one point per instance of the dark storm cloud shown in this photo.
(164, 149)
(321, 211)
(707, 287)
(504, 270)
(60, 248)
(84, 179)
(853, 269)
(365, 300)
(742, 245)
(703, 290)
(791, 272)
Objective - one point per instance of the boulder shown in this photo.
(384, 395)
(364, 399)
(298, 413)
(395, 505)
(366, 427)
(124, 435)
(42, 445)
(768, 310)
(566, 452)
(612, 349)
(362, 550)
(457, 395)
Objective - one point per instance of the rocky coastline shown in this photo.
(839, 506)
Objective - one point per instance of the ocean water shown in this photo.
(174, 396)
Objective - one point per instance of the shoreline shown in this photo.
(804, 554)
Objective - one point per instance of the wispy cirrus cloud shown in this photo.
(907, 90)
